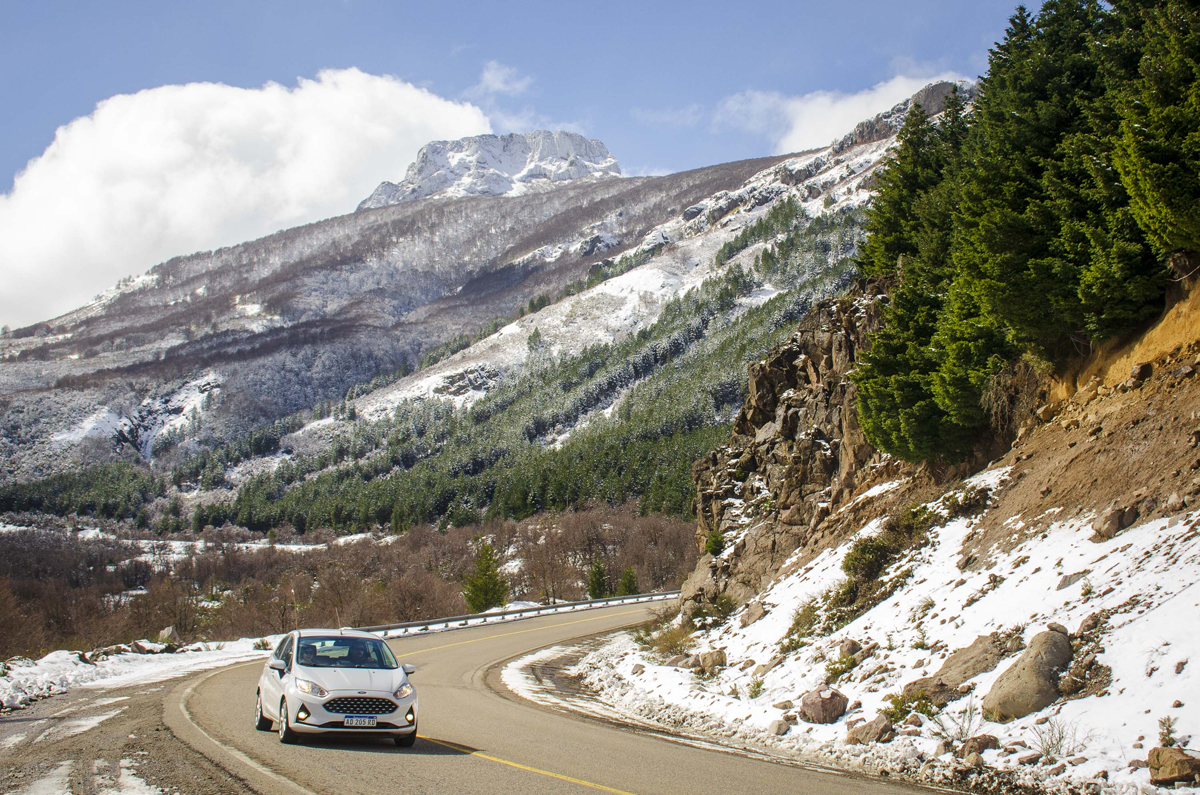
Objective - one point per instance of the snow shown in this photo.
(56, 782)
(59, 671)
(100, 423)
(1156, 563)
(73, 726)
(496, 165)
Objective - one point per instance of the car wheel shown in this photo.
(260, 723)
(286, 735)
(407, 740)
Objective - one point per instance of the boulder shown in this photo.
(691, 661)
(639, 668)
(778, 727)
(823, 705)
(785, 704)
(1108, 523)
(1169, 765)
(678, 660)
(713, 661)
(973, 760)
(849, 647)
(983, 655)
(879, 730)
(978, 744)
(1031, 683)
(1140, 372)
(169, 635)
(767, 667)
(754, 611)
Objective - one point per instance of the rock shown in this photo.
(785, 704)
(1076, 761)
(943, 747)
(678, 660)
(1179, 666)
(169, 635)
(854, 705)
(791, 717)
(849, 647)
(1046, 413)
(778, 727)
(637, 669)
(1140, 372)
(914, 719)
(766, 667)
(1029, 759)
(1059, 628)
(1129, 516)
(1057, 770)
(983, 655)
(879, 730)
(1138, 764)
(691, 661)
(1174, 503)
(1171, 765)
(1176, 704)
(973, 760)
(823, 705)
(713, 661)
(1108, 523)
(1090, 623)
(746, 665)
(1030, 683)
(754, 611)
(978, 744)
(1070, 579)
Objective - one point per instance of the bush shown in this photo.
(836, 669)
(901, 706)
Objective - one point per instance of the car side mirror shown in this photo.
(409, 668)
(277, 664)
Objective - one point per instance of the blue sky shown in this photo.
(666, 86)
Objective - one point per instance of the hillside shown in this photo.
(869, 613)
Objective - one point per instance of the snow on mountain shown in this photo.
(496, 165)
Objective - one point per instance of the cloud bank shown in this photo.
(184, 168)
(797, 123)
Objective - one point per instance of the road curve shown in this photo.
(473, 740)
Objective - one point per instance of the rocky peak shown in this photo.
(496, 165)
(886, 124)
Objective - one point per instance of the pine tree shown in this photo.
(598, 581)
(485, 587)
(1157, 154)
(628, 584)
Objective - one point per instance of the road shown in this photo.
(475, 740)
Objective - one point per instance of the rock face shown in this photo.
(943, 687)
(713, 661)
(496, 165)
(796, 454)
(1030, 683)
(1170, 765)
(823, 705)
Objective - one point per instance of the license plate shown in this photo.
(362, 722)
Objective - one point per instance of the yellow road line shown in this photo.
(515, 632)
(526, 768)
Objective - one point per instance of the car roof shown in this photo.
(332, 633)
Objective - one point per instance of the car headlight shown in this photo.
(404, 691)
(312, 688)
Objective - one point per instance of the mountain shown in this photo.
(496, 165)
(320, 333)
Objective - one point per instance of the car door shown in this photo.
(272, 680)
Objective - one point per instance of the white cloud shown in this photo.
(794, 124)
(496, 78)
(182, 168)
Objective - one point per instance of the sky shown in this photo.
(134, 132)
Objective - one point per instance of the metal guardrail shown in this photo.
(477, 619)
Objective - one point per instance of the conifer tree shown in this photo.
(628, 584)
(485, 587)
(597, 581)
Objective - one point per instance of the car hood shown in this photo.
(353, 678)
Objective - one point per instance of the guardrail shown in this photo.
(454, 622)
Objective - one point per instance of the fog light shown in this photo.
(409, 715)
(302, 713)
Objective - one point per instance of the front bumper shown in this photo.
(309, 715)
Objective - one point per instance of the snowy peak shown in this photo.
(497, 165)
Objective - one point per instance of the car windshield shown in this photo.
(343, 652)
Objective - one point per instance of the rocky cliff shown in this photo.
(796, 457)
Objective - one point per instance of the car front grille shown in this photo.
(360, 706)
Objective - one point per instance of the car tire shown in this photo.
(286, 735)
(261, 723)
(407, 740)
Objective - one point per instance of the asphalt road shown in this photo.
(473, 739)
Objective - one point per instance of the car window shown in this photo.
(278, 653)
(343, 652)
(286, 654)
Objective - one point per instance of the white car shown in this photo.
(336, 680)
